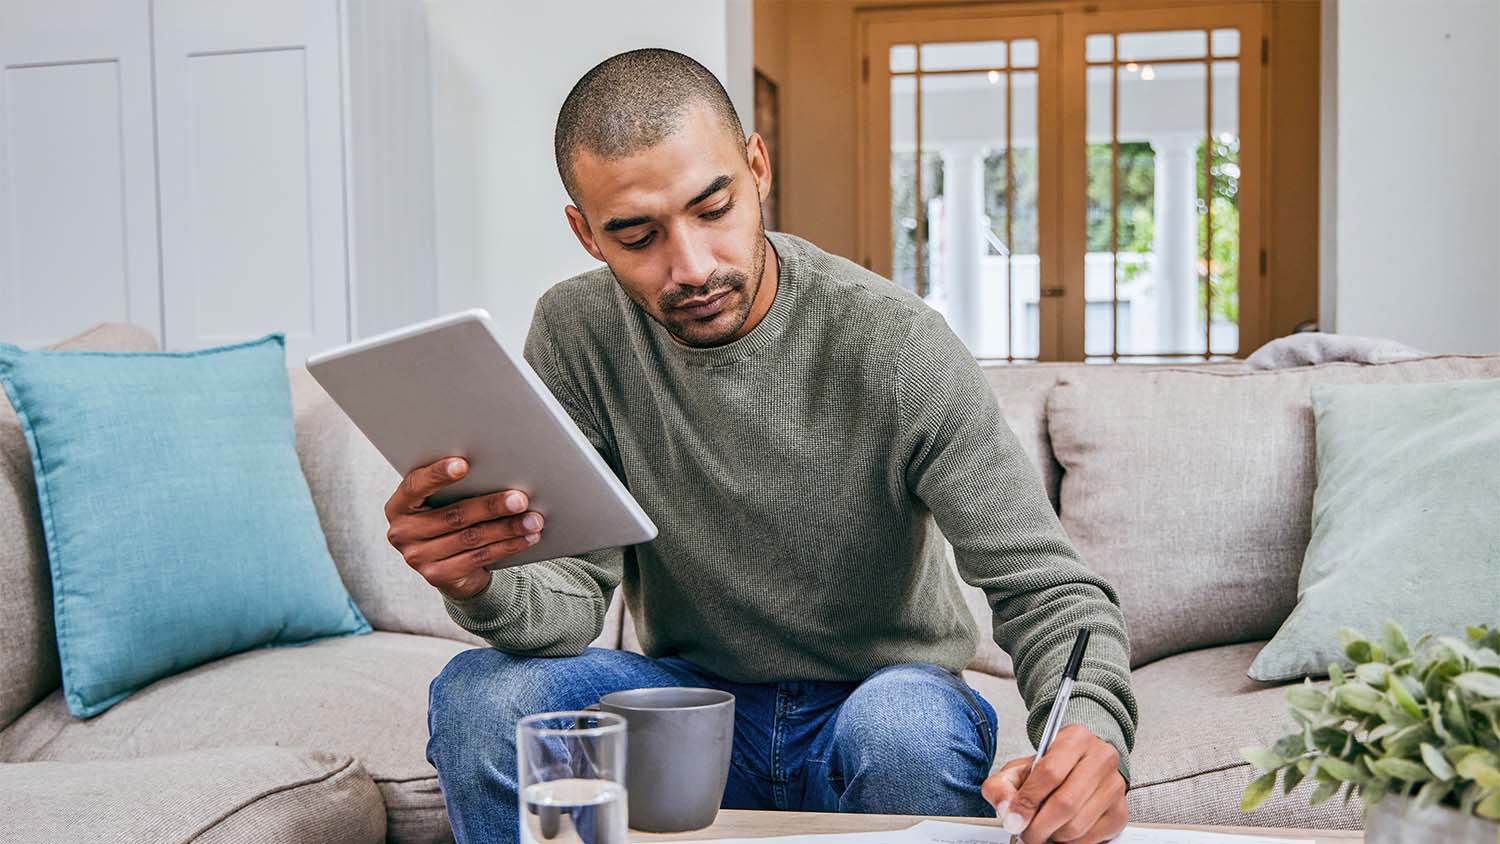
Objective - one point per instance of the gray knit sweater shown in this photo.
(799, 477)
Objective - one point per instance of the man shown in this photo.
(799, 429)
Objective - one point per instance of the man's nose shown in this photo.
(693, 263)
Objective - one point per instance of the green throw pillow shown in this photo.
(1405, 522)
(179, 526)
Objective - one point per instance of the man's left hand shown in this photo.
(1075, 794)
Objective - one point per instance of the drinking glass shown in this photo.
(571, 778)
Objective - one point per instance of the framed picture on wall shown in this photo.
(768, 124)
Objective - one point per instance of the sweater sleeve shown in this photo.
(964, 463)
(555, 607)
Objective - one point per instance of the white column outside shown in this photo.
(963, 208)
(1174, 260)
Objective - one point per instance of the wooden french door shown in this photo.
(1067, 183)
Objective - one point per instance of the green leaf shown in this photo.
(1432, 793)
(1438, 676)
(1403, 698)
(1456, 718)
(1480, 683)
(1489, 807)
(1404, 770)
(1307, 698)
(1289, 747)
(1404, 742)
(1290, 779)
(1436, 762)
(1257, 792)
(1261, 758)
(1395, 641)
(1357, 697)
(1373, 673)
(1341, 770)
(1480, 769)
(1335, 675)
(1323, 792)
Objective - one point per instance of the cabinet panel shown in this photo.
(249, 127)
(77, 178)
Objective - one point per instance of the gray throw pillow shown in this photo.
(1406, 519)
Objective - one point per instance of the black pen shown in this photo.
(1060, 703)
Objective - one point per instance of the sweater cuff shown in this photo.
(488, 606)
(1101, 723)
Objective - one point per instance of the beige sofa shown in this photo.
(1190, 487)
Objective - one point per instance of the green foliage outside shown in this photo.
(1224, 256)
(1136, 210)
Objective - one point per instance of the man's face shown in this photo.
(679, 224)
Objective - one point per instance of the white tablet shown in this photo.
(449, 387)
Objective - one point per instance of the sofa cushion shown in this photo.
(1191, 490)
(262, 794)
(167, 480)
(350, 482)
(364, 696)
(1196, 710)
(1406, 520)
(28, 645)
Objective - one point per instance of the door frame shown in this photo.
(878, 33)
(1062, 205)
(1249, 18)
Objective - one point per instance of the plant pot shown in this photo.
(1399, 820)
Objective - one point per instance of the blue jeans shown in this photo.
(909, 739)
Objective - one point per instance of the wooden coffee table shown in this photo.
(739, 823)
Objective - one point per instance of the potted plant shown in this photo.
(1414, 731)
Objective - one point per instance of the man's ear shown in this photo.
(581, 230)
(760, 164)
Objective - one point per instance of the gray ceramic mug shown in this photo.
(677, 754)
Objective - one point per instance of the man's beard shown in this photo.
(743, 287)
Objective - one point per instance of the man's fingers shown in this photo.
(1002, 785)
(1069, 805)
(471, 537)
(422, 482)
(1045, 777)
(1089, 825)
(455, 517)
(1109, 826)
(454, 568)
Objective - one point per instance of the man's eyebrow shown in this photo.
(617, 223)
(713, 187)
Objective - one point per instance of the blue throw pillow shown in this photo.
(179, 526)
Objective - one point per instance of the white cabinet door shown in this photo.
(77, 178)
(249, 130)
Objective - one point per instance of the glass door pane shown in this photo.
(1162, 264)
(964, 187)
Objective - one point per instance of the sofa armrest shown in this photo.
(236, 794)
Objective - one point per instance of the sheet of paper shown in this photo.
(943, 832)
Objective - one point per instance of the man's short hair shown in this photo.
(633, 101)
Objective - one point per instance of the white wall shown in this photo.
(1415, 220)
(500, 72)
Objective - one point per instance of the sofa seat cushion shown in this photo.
(364, 696)
(262, 794)
(1196, 711)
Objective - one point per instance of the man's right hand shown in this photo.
(451, 545)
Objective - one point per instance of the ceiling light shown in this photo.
(1132, 67)
(1147, 73)
(994, 77)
